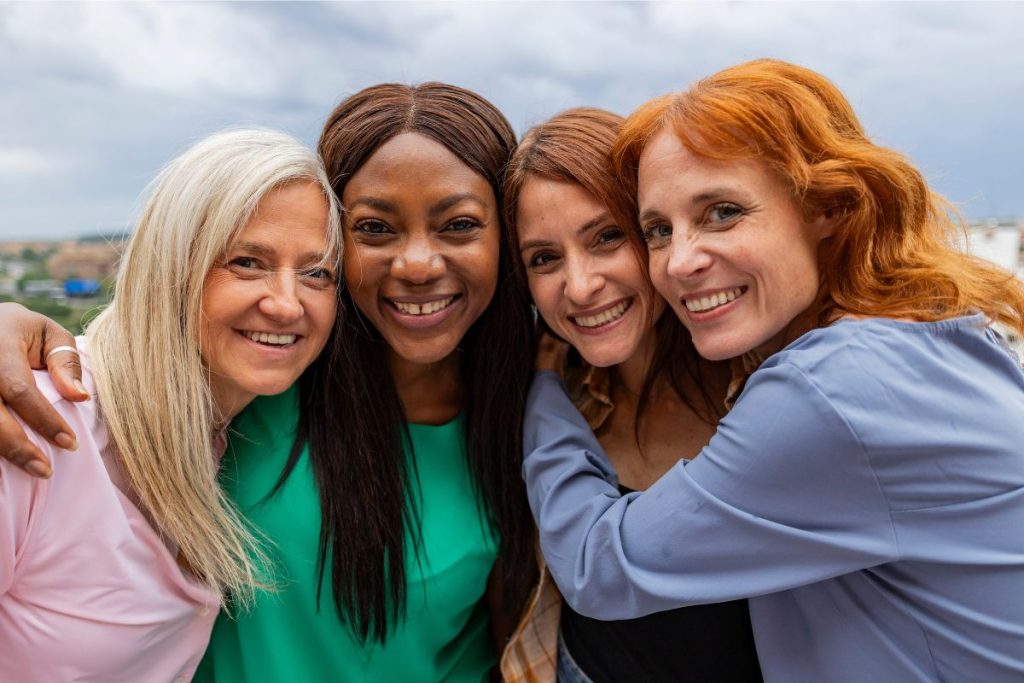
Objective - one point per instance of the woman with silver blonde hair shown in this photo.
(226, 291)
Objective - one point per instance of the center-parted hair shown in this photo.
(352, 416)
(895, 250)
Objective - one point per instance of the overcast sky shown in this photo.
(94, 98)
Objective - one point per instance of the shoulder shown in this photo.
(893, 349)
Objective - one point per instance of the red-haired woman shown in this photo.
(643, 389)
(866, 490)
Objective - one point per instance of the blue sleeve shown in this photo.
(782, 496)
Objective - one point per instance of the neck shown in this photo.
(226, 405)
(632, 372)
(431, 393)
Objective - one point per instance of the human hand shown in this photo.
(29, 340)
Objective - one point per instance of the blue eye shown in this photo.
(243, 262)
(318, 274)
(724, 212)
(656, 233)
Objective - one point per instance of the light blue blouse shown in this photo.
(866, 492)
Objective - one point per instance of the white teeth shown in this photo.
(274, 339)
(706, 303)
(613, 313)
(424, 309)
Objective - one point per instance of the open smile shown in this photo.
(271, 339)
(422, 312)
(600, 318)
(705, 303)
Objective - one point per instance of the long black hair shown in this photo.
(351, 415)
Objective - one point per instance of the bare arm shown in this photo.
(26, 342)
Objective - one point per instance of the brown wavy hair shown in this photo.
(895, 250)
(575, 146)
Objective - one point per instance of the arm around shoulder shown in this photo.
(783, 496)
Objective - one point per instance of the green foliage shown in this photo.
(72, 318)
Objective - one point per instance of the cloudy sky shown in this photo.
(95, 97)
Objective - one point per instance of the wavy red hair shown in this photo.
(895, 249)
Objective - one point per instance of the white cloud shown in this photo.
(23, 161)
(121, 87)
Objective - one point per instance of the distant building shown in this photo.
(998, 241)
(84, 260)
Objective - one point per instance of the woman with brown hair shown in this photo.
(865, 490)
(643, 389)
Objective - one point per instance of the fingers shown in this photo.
(24, 338)
(19, 392)
(63, 362)
(16, 447)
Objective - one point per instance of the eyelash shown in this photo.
(736, 209)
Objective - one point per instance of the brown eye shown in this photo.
(372, 227)
(542, 259)
(461, 226)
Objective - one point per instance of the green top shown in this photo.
(445, 636)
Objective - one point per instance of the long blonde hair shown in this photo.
(154, 389)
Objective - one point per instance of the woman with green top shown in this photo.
(387, 481)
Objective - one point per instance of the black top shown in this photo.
(701, 643)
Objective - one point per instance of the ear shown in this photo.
(824, 225)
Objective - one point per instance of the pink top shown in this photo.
(88, 590)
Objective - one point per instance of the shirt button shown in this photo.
(179, 679)
(204, 610)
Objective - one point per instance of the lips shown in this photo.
(608, 315)
(422, 308)
(270, 338)
(710, 301)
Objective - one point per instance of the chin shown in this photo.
(603, 358)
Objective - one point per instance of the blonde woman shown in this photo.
(225, 292)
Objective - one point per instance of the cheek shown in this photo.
(546, 296)
(657, 268)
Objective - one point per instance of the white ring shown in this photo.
(58, 349)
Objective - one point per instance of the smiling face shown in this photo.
(421, 246)
(586, 280)
(729, 249)
(269, 303)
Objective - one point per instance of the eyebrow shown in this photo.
(373, 203)
(258, 249)
(710, 195)
(450, 201)
(594, 222)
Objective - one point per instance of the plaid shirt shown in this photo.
(531, 655)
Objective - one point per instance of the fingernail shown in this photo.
(66, 441)
(38, 469)
(78, 385)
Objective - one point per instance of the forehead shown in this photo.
(412, 165)
(294, 214)
(668, 167)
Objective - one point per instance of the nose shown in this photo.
(418, 262)
(282, 302)
(582, 281)
(687, 258)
